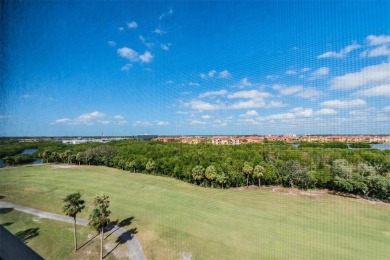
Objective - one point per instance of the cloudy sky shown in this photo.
(195, 67)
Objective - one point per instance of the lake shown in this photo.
(25, 151)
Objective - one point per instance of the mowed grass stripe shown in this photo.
(174, 216)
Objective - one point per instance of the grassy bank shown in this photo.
(173, 217)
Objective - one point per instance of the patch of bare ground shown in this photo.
(185, 256)
(295, 192)
(117, 250)
(251, 187)
(63, 166)
(359, 197)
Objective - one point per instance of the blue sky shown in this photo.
(195, 67)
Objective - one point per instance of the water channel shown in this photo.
(25, 151)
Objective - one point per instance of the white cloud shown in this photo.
(336, 103)
(201, 105)
(224, 74)
(325, 112)
(132, 25)
(300, 91)
(381, 90)
(197, 122)
(213, 93)
(375, 74)
(291, 72)
(121, 28)
(212, 73)
(86, 119)
(249, 94)
(170, 12)
(245, 83)
(252, 103)
(311, 93)
(302, 112)
(378, 40)
(281, 116)
(219, 123)
(274, 104)
(128, 53)
(111, 43)
(91, 116)
(105, 122)
(272, 77)
(386, 109)
(193, 84)
(119, 117)
(376, 52)
(206, 117)
(63, 121)
(121, 122)
(169, 82)
(250, 113)
(127, 67)
(162, 123)
(285, 90)
(341, 53)
(305, 69)
(159, 31)
(142, 123)
(319, 73)
(164, 47)
(146, 57)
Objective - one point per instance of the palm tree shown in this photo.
(211, 173)
(258, 172)
(73, 204)
(99, 217)
(46, 154)
(248, 170)
(222, 178)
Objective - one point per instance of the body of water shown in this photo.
(29, 151)
(25, 151)
(381, 146)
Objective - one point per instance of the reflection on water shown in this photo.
(29, 151)
(381, 146)
(25, 151)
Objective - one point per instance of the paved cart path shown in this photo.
(135, 248)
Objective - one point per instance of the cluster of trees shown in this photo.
(98, 219)
(18, 159)
(363, 171)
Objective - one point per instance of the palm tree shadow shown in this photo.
(2, 197)
(6, 210)
(27, 235)
(86, 242)
(125, 236)
(6, 224)
(115, 225)
(122, 239)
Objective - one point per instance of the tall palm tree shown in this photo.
(73, 204)
(99, 217)
(248, 170)
(258, 172)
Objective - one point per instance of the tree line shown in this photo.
(364, 172)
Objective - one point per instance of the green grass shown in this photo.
(173, 217)
(53, 239)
